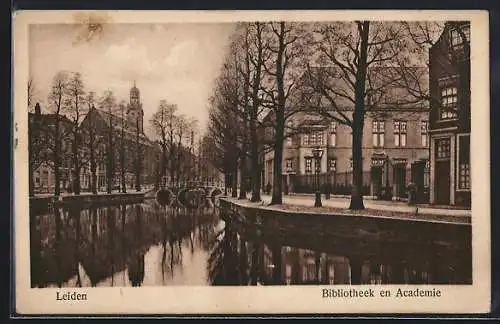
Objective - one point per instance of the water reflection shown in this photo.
(146, 244)
(127, 245)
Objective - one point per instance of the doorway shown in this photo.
(443, 182)
(442, 171)
(284, 181)
(376, 175)
(417, 177)
(400, 180)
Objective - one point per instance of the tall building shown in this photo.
(450, 115)
(135, 114)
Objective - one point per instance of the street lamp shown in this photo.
(317, 153)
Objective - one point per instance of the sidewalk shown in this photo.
(394, 206)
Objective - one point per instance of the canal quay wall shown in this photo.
(422, 241)
(45, 203)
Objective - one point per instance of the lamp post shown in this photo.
(317, 153)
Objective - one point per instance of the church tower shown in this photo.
(135, 114)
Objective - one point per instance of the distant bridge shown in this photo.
(191, 196)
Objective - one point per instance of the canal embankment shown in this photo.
(380, 207)
(40, 203)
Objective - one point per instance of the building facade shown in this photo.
(132, 149)
(450, 115)
(395, 153)
(41, 155)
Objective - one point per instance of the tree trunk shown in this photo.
(31, 185)
(234, 180)
(255, 172)
(277, 197)
(76, 164)
(243, 189)
(357, 168)
(57, 162)
(358, 121)
(122, 168)
(93, 172)
(109, 166)
(138, 160)
(93, 164)
(254, 140)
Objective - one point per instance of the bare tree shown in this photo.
(250, 54)
(108, 103)
(31, 93)
(123, 147)
(138, 151)
(36, 137)
(181, 135)
(224, 124)
(56, 101)
(75, 109)
(286, 41)
(91, 139)
(163, 123)
(351, 56)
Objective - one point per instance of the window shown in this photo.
(378, 129)
(289, 165)
(427, 174)
(45, 178)
(350, 164)
(289, 141)
(449, 101)
(456, 37)
(269, 170)
(37, 178)
(305, 139)
(314, 138)
(399, 133)
(288, 274)
(333, 133)
(424, 127)
(308, 165)
(309, 272)
(443, 148)
(464, 163)
(332, 165)
(331, 274)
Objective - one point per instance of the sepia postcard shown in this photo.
(243, 162)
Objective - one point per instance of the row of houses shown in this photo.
(427, 144)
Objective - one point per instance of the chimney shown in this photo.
(38, 110)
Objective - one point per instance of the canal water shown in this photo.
(145, 244)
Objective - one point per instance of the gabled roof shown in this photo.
(118, 121)
(388, 85)
(49, 119)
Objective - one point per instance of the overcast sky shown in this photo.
(176, 62)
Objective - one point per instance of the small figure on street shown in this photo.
(412, 192)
